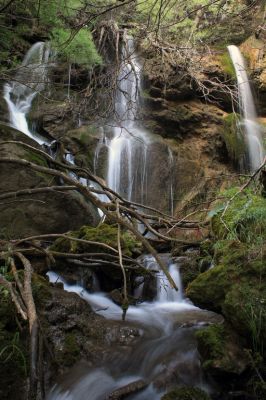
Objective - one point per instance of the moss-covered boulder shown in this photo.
(33, 214)
(103, 233)
(186, 393)
(235, 285)
(221, 351)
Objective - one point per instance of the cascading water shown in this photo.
(129, 161)
(127, 154)
(168, 325)
(30, 79)
(248, 111)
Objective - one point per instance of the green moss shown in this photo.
(40, 289)
(186, 393)
(71, 349)
(211, 344)
(36, 158)
(78, 48)
(234, 139)
(236, 286)
(103, 233)
(227, 65)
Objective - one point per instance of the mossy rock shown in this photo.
(236, 287)
(236, 284)
(186, 393)
(82, 143)
(220, 351)
(40, 289)
(103, 233)
(234, 139)
(227, 65)
(71, 349)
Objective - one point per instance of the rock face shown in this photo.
(42, 213)
(254, 48)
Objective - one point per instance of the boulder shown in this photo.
(39, 213)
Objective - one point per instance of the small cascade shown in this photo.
(247, 108)
(30, 79)
(167, 341)
(165, 293)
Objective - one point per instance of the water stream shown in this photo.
(165, 351)
(30, 79)
(251, 127)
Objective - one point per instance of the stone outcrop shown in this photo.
(42, 213)
(254, 48)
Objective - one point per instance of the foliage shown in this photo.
(48, 19)
(13, 356)
(244, 218)
(12, 351)
(76, 46)
(78, 49)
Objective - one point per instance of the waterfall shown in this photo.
(130, 155)
(29, 80)
(127, 155)
(248, 111)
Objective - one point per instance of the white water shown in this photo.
(127, 155)
(248, 110)
(162, 344)
(168, 300)
(29, 80)
(129, 149)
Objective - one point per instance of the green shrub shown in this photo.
(78, 49)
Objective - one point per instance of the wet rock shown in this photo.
(222, 352)
(74, 332)
(196, 317)
(189, 268)
(127, 390)
(186, 393)
(122, 335)
(254, 49)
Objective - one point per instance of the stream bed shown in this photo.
(164, 356)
